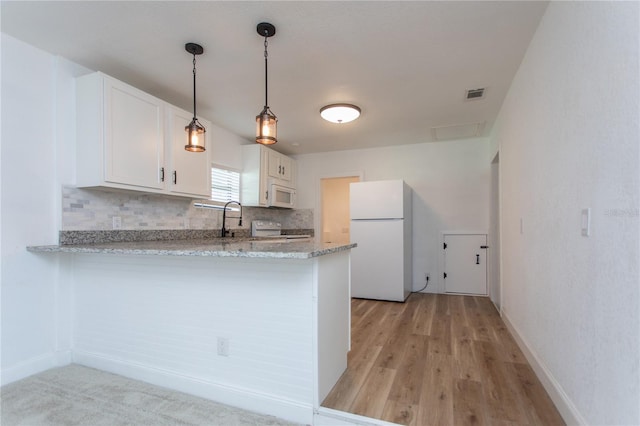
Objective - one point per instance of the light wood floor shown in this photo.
(438, 360)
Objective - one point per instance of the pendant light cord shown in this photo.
(266, 85)
(194, 86)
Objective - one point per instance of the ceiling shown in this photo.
(407, 65)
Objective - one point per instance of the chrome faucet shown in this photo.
(224, 231)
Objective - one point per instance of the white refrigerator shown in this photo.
(381, 266)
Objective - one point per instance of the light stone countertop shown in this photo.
(214, 247)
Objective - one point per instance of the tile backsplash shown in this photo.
(94, 210)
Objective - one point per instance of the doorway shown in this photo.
(334, 211)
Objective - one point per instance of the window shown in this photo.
(225, 185)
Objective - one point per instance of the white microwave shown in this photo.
(281, 196)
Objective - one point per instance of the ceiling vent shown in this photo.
(473, 94)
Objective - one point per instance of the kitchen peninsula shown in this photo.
(258, 324)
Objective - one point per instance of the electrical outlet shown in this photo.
(117, 222)
(426, 276)
(223, 346)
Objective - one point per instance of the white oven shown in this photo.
(281, 196)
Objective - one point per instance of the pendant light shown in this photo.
(195, 130)
(266, 121)
(340, 113)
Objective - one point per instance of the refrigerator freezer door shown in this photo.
(377, 200)
(377, 263)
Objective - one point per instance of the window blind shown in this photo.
(225, 185)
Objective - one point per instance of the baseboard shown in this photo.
(329, 417)
(33, 366)
(567, 409)
(246, 399)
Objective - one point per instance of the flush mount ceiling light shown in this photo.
(266, 121)
(340, 113)
(195, 130)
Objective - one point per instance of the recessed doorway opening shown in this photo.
(334, 211)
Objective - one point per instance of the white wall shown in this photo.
(568, 137)
(30, 196)
(450, 181)
(226, 148)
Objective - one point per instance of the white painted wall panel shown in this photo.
(226, 149)
(170, 320)
(28, 177)
(568, 137)
(333, 320)
(37, 88)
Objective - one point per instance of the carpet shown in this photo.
(77, 395)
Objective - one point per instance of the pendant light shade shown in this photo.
(340, 113)
(266, 128)
(195, 130)
(195, 141)
(266, 121)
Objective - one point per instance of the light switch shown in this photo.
(586, 222)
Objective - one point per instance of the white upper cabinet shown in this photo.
(254, 190)
(134, 135)
(129, 139)
(263, 169)
(119, 135)
(280, 167)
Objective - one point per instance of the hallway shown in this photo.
(438, 360)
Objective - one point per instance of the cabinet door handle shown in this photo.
(279, 170)
(175, 177)
(477, 259)
(282, 170)
(266, 195)
(161, 174)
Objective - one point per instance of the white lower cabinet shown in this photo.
(128, 139)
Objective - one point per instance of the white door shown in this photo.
(465, 266)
